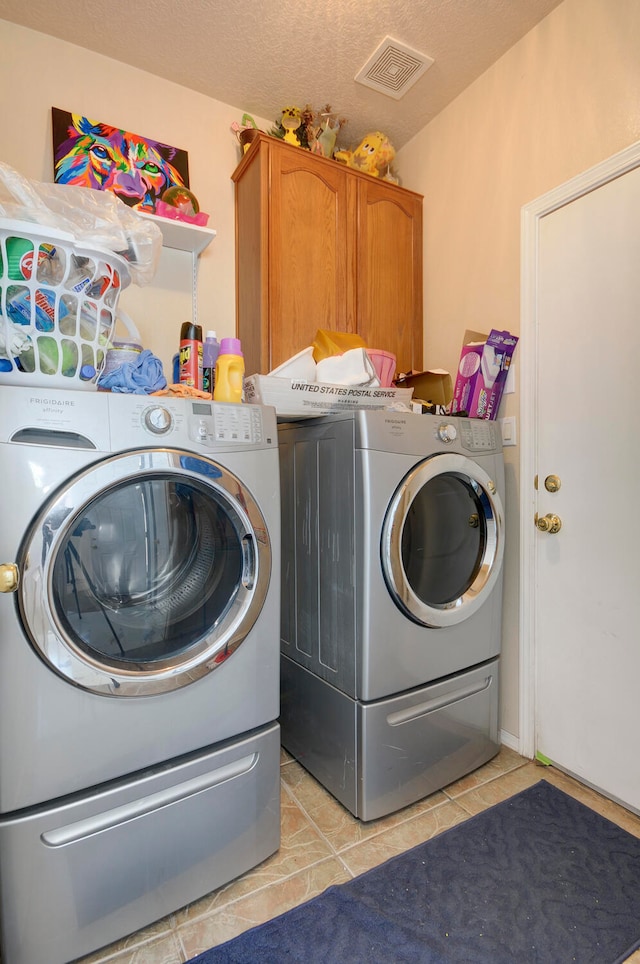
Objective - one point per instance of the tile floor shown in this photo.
(323, 844)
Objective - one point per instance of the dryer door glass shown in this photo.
(442, 541)
(444, 538)
(152, 581)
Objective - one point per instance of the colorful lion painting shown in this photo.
(92, 154)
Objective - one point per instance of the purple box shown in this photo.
(482, 373)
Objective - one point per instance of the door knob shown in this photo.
(9, 577)
(548, 523)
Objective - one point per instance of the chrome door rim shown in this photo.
(36, 563)
(401, 591)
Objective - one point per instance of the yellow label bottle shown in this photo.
(229, 372)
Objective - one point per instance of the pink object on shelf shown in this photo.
(169, 211)
(385, 365)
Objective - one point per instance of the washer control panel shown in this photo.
(210, 423)
(192, 423)
(114, 421)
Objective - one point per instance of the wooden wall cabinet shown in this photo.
(319, 245)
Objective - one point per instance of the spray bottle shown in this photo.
(210, 352)
(229, 372)
(191, 355)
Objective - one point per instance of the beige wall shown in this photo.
(564, 98)
(39, 72)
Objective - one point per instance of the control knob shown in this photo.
(447, 432)
(157, 420)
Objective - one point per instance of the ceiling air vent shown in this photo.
(393, 68)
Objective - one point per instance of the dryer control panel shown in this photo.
(479, 435)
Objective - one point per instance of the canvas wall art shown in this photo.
(93, 154)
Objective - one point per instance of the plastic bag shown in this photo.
(84, 215)
(328, 343)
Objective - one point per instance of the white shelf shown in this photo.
(181, 235)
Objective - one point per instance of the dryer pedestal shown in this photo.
(390, 630)
(378, 757)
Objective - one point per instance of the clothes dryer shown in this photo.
(392, 551)
(139, 678)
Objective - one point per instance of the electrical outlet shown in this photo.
(508, 430)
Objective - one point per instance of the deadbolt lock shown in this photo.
(552, 483)
(548, 523)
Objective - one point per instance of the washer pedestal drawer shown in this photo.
(378, 757)
(83, 872)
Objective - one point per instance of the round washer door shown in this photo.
(144, 572)
(442, 540)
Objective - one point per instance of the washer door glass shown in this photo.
(145, 573)
(442, 540)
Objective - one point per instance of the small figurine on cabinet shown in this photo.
(246, 132)
(329, 131)
(309, 131)
(374, 153)
(291, 120)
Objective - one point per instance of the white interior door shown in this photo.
(583, 582)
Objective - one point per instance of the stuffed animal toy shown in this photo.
(373, 155)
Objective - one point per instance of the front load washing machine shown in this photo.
(139, 676)
(392, 550)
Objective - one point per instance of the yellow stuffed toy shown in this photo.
(373, 154)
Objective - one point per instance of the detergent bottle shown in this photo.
(210, 352)
(229, 372)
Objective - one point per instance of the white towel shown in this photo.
(354, 367)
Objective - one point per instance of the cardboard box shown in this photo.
(434, 386)
(293, 398)
(482, 373)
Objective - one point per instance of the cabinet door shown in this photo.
(311, 250)
(390, 271)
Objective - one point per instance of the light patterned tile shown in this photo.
(340, 828)
(497, 790)
(300, 846)
(404, 836)
(304, 788)
(198, 935)
(165, 949)
(505, 760)
(314, 825)
(607, 808)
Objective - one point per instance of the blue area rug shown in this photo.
(537, 879)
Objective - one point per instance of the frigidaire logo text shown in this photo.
(61, 403)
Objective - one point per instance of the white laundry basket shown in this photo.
(58, 302)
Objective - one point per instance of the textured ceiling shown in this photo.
(260, 55)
